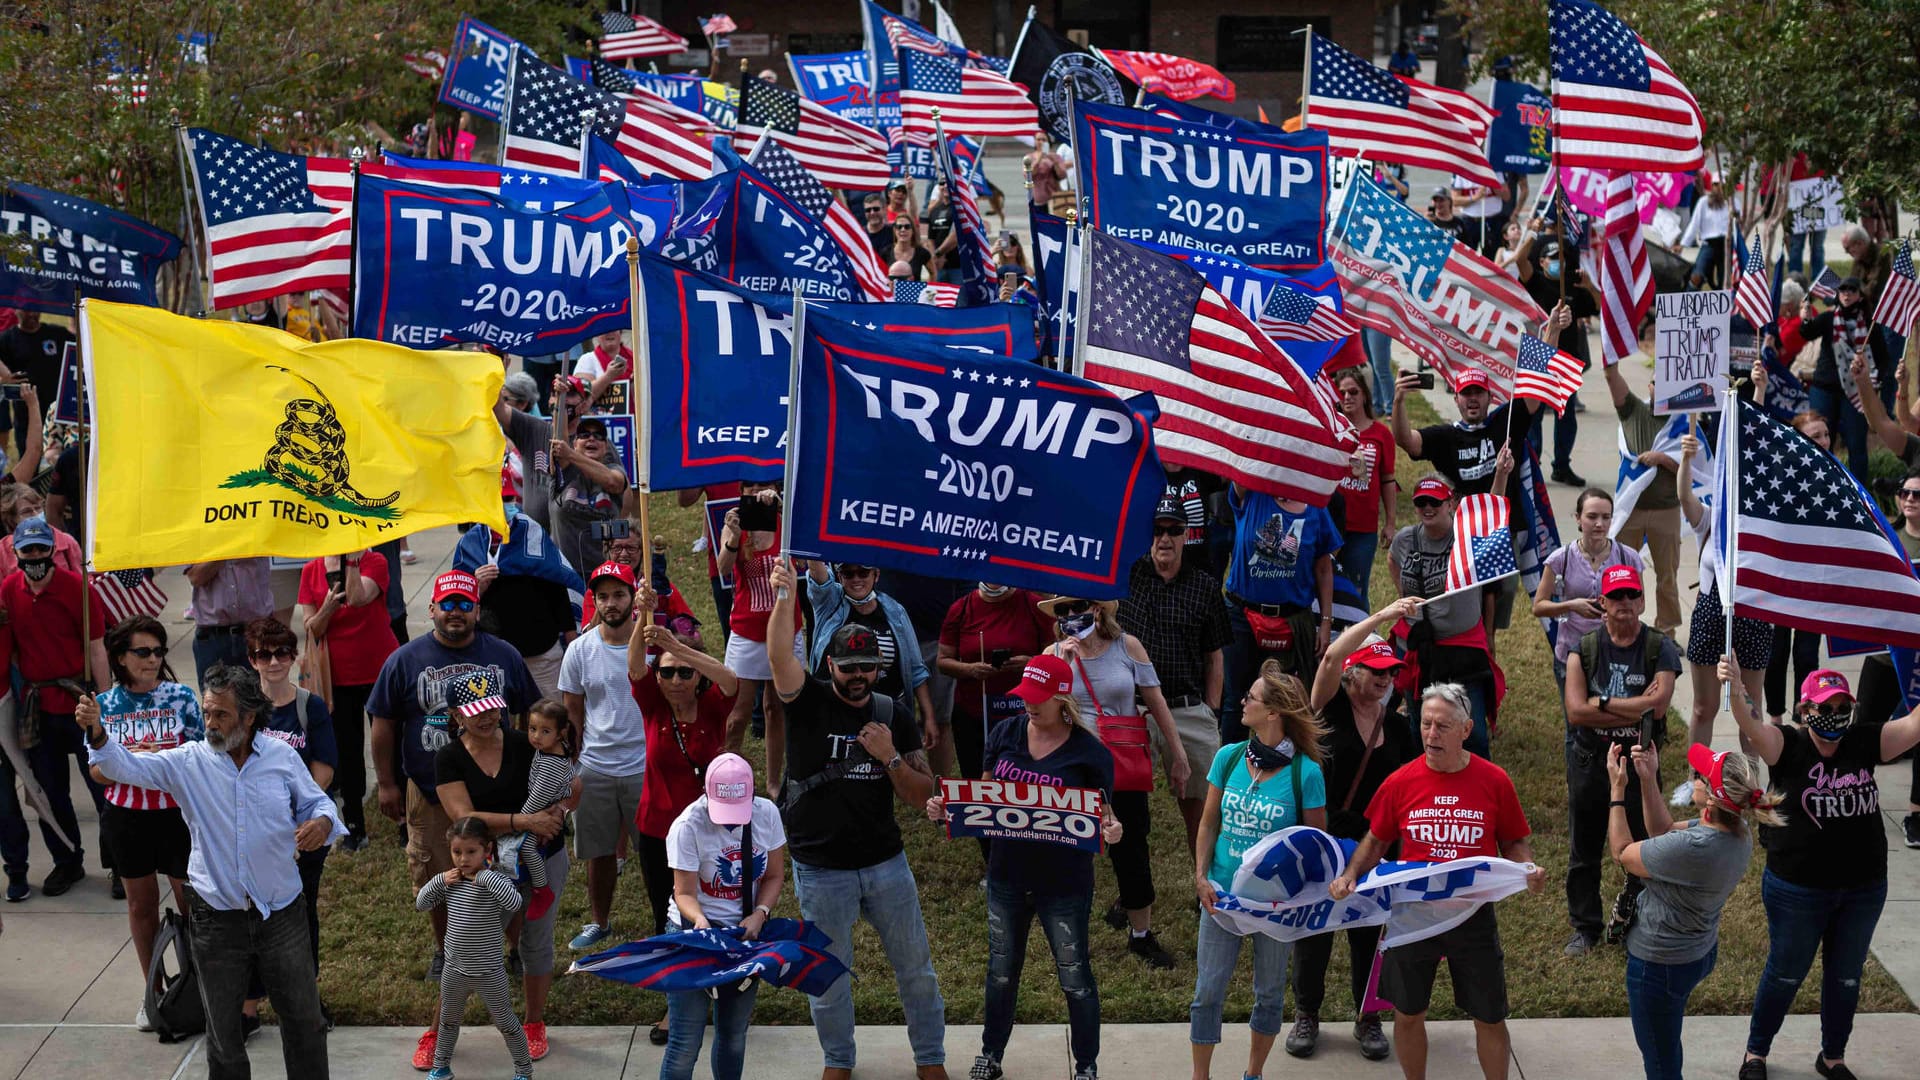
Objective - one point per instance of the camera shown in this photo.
(758, 516)
(9, 391)
(616, 529)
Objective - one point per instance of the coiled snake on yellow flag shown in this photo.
(309, 451)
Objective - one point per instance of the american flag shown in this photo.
(1626, 281)
(1292, 315)
(431, 64)
(1900, 297)
(628, 37)
(1573, 227)
(1482, 543)
(1545, 373)
(921, 292)
(1411, 281)
(1474, 115)
(1231, 401)
(1753, 293)
(1826, 286)
(630, 86)
(275, 223)
(977, 284)
(1616, 104)
(543, 128)
(1365, 110)
(785, 171)
(126, 593)
(1812, 551)
(972, 101)
(841, 153)
(715, 25)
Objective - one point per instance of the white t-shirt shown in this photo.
(591, 364)
(615, 742)
(695, 843)
(1485, 207)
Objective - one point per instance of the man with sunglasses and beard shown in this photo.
(849, 753)
(410, 719)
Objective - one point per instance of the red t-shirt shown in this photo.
(1013, 622)
(753, 592)
(669, 785)
(1438, 816)
(359, 639)
(46, 631)
(1362, 496)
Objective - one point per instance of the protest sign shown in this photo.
(1005, 810)
(1587, 190)
(1258, 198)
(68, 244)
(477, 69)
(952, 464)
(1814, 203)
(1692, 346)
(66, 401)
(1521, 137)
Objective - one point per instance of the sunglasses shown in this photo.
(1075, 607)
(686, 673)
(856, 667)
(455, 603)
(1169, 530)
(1909, 493)
(149, 652)
(264, 655)
(874, 209)
(1624, 594)
(1427, 504)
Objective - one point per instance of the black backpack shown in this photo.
(173, 1000)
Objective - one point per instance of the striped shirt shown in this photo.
(548, 782)
(161, 719)
(476, 910)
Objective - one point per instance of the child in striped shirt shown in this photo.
(478, 901)
(549, 782)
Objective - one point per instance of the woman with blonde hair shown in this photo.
(1690, 869)
(1255, 788)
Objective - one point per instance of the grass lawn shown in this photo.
(376, 948)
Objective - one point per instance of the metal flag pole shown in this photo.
(357, 156)
(1306, 76)
(506, 103)
(1729, 460)
(1013, 58)
(186, 190)
(639, 402)
(84, 415)
(793, 430)
(587, 116)
(1082, 293)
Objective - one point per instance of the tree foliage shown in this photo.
(1837, 80)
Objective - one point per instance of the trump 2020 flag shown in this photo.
(957, 464)
(277, 446)
(787, 952)
(1482, 545)
(71, 243)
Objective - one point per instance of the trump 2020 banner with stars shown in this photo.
(721, 354)
(1259, 198)
(955, 464)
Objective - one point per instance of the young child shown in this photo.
(478, 902)
(555, 742)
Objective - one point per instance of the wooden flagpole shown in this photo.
(641, 375)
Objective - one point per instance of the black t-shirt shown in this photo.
(1622, 673)
(1398, 745)
(1191, 489)
(1454, 226)
(845, 823)
(1081, 762)
(1833, 838)
(36, 355)
(939, 222)
(526, 612)
(504, 792)
(1546, 292)
(1467, 456)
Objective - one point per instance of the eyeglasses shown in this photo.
(1427, 504)
(1169, 530)
(265, 655)
(149, 652)
(1073, 607)
(1624, 594)
(686, 673)
(455, 603)
(856, 667)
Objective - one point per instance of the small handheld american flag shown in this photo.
(1482, 545)
(1826, 286)
(1900, 299)
(1753, 294)
(1292, 315)
(1545, 374)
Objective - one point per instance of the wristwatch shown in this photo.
(762, 909)
(1604, 699)
(893, 762)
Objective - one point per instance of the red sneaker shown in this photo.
(539, 903)
(536, 1040)
(423, 1050)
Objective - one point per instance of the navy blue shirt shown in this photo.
(1274, 550)
(313, 740)
(412, 692)
(1081, 762)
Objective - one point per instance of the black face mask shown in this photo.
(36, 569)
(1268, 758)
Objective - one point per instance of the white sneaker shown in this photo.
(140, 1018)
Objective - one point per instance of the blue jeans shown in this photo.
(60, 740)
(219, 647)
(731, 1011)
(1836, 923)
(1355, 562)
(886, 895)
(1063, 920)
(1380, 358)
(1216, 954)
(1566, 429)
(1849, 427)
(1657, 1003)
(1813, 245)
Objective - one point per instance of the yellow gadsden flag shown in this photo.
(217, 440)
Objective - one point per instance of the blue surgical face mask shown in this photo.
(1553, 268)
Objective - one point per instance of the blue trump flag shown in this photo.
(720, 356)
(1259, 197)
(1521, 138)
(835, 81)
(956, 465)
(436, 266)
(1057, 286)
(477, 69)
(68, 244)
(765, 240)
(788, 952)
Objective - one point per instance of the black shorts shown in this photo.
(146, 842)
(1474, 960)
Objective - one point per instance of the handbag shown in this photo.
(316, 671)
(1271, 633)
(1125, 737)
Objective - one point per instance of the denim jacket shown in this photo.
(830, 608)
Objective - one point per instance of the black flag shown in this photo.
(1055, 70)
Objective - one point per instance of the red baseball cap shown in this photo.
(1617, 577)
(1472, 377)
(1823, 684)
(1432, 487)
(1045, 676)
(619, 571)
(455, 583)
(1712, 765)
(1374, 656)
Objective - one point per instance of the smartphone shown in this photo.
(757, 516)
(1426, 380)
(1009, 271)
(1650, 729)
(9, 391)
(616, 529)
(336, 580)
(999, 657)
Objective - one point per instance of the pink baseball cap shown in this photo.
(1045, 676)
(1374, 656)
(730, 790)
(1823, 684)
(1617, 577)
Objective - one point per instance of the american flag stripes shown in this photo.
(1231, 401)
(841, 153)
(126, 593)
(715, 25)
(630, 37)
(431, 64)
(1626, 281)
(1826, 286)
(1364, 110)
(1482, 543)
(1753, 295)
(1900, 297)
(1292, 315)
(921, 292)
(1811, 549)
(1545, 373)
(977, 285)
(275, 223)
(543, 119)
(1573, 228)
(972, 101)
(778, 165)
(1616, 104)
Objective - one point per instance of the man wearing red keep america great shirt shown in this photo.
(1446, 804)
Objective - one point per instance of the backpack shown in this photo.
(302, 697)
(1590, 659)
(172, 1000)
